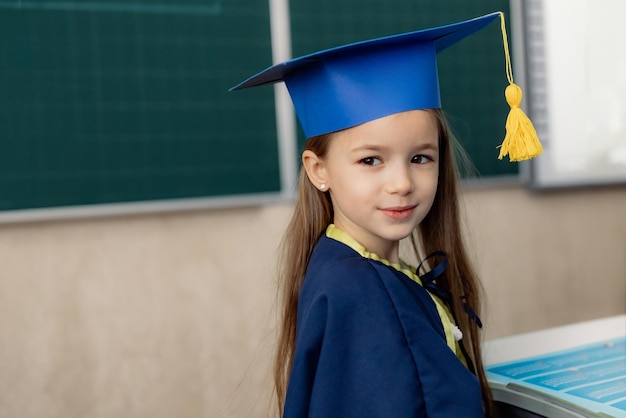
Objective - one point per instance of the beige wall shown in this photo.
(170, 315)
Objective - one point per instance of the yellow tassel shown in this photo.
(521, 141)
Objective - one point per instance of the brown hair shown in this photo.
(440, 230)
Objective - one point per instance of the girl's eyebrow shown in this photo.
(369, 147)
(379, 148)
(429, 145)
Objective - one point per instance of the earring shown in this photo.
(322, 187)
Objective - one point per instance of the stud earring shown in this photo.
(322, 187)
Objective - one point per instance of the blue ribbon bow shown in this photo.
(429, 282)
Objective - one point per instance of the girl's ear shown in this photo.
(315, 170)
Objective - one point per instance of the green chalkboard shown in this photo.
(124, 101)
(121, 101)
(471, 73)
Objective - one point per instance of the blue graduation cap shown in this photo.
(349, 85)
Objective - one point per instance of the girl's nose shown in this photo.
(400, 181)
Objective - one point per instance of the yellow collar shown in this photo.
(338, 235)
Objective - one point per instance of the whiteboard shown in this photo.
(576, 75)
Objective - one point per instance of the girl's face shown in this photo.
(382, 177)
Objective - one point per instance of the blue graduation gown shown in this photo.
(370, 343)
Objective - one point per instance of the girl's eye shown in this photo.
(371, 161)
(420, 159)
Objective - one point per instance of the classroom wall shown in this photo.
(170, 315)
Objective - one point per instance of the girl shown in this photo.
(364, 334)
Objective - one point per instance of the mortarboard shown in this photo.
(349, 85)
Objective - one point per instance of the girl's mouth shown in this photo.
(399, 213)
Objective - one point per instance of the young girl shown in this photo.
(364, 334)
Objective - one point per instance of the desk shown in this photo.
(541, 343)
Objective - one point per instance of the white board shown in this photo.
(576, 75)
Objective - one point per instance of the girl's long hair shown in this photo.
(440, 230)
